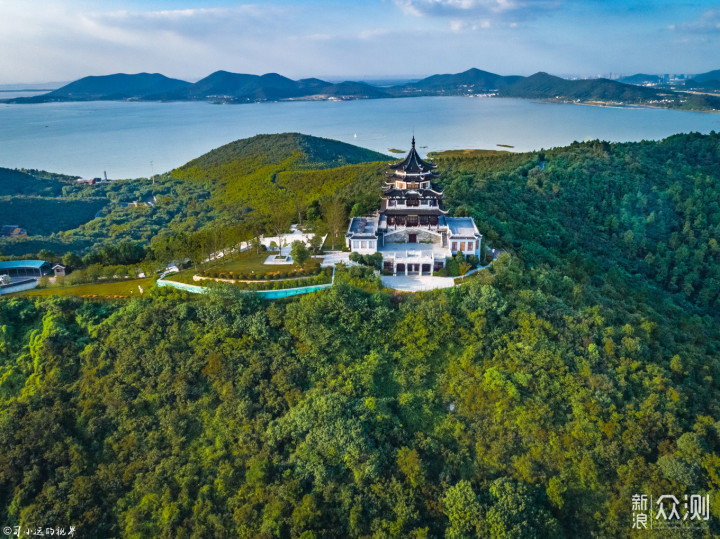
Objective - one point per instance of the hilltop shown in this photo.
(310, 152)
(119, 86)
(227, 87)
(271, 175)
(533, 400)
(276, 174)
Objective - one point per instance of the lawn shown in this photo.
(120, 288)
(339, 244)
(248, 262)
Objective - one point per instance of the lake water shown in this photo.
(130, 140)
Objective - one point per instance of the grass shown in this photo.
(248, 262)
(119, 288)
(339, 243)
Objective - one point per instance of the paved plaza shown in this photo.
(417, 283)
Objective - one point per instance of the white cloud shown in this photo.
(62, 42)
(453, 8)
(708, 22)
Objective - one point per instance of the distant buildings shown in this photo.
(411, 230)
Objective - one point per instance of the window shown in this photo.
(462, 245)
(423, 202)
(454, 246)
(356, 244)
(371, 244)
(477, 244)
(363, 245)
(401, 202)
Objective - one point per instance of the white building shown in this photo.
(413, 233)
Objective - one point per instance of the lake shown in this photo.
(129, 139)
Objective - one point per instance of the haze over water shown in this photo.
(124, 138)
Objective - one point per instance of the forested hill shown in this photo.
(110, 87)
(651, 209)
(310, 152)
(281, 176)
(226, 87)
(534, 400)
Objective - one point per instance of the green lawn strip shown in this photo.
(339, 244)
(248, 262)
(118, 288)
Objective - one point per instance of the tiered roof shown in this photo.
(413, 165)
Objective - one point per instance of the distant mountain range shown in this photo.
(226, 87)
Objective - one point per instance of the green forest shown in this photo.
(533, 400)
(278, 178)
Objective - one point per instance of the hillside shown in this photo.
(226, 87)
(109, 87)
(273, 175)
(311, 152)
(641, 79)
(17, 182)
(542, 85)
(468, 82)
(532, 401)
(709, 76)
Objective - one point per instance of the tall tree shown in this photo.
(335, 216)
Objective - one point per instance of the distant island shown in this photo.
(230, 88)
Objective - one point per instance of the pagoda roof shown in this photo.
(412, 164)
(412, 193)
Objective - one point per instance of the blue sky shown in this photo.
(61, 40)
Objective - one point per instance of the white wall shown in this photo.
(364, 247)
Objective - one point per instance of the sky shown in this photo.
(63, 40)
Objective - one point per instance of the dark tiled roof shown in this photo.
(412, 164)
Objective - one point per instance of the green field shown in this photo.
(249, 261)
(121, 288)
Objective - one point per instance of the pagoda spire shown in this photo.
(413, 141)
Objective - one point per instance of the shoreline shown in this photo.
(319, 98)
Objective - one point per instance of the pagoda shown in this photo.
(411, 230)
(410, 199)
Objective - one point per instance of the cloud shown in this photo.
(707, 23)
(62, 42)
(477, 8)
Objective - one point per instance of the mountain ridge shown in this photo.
(227, 87)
